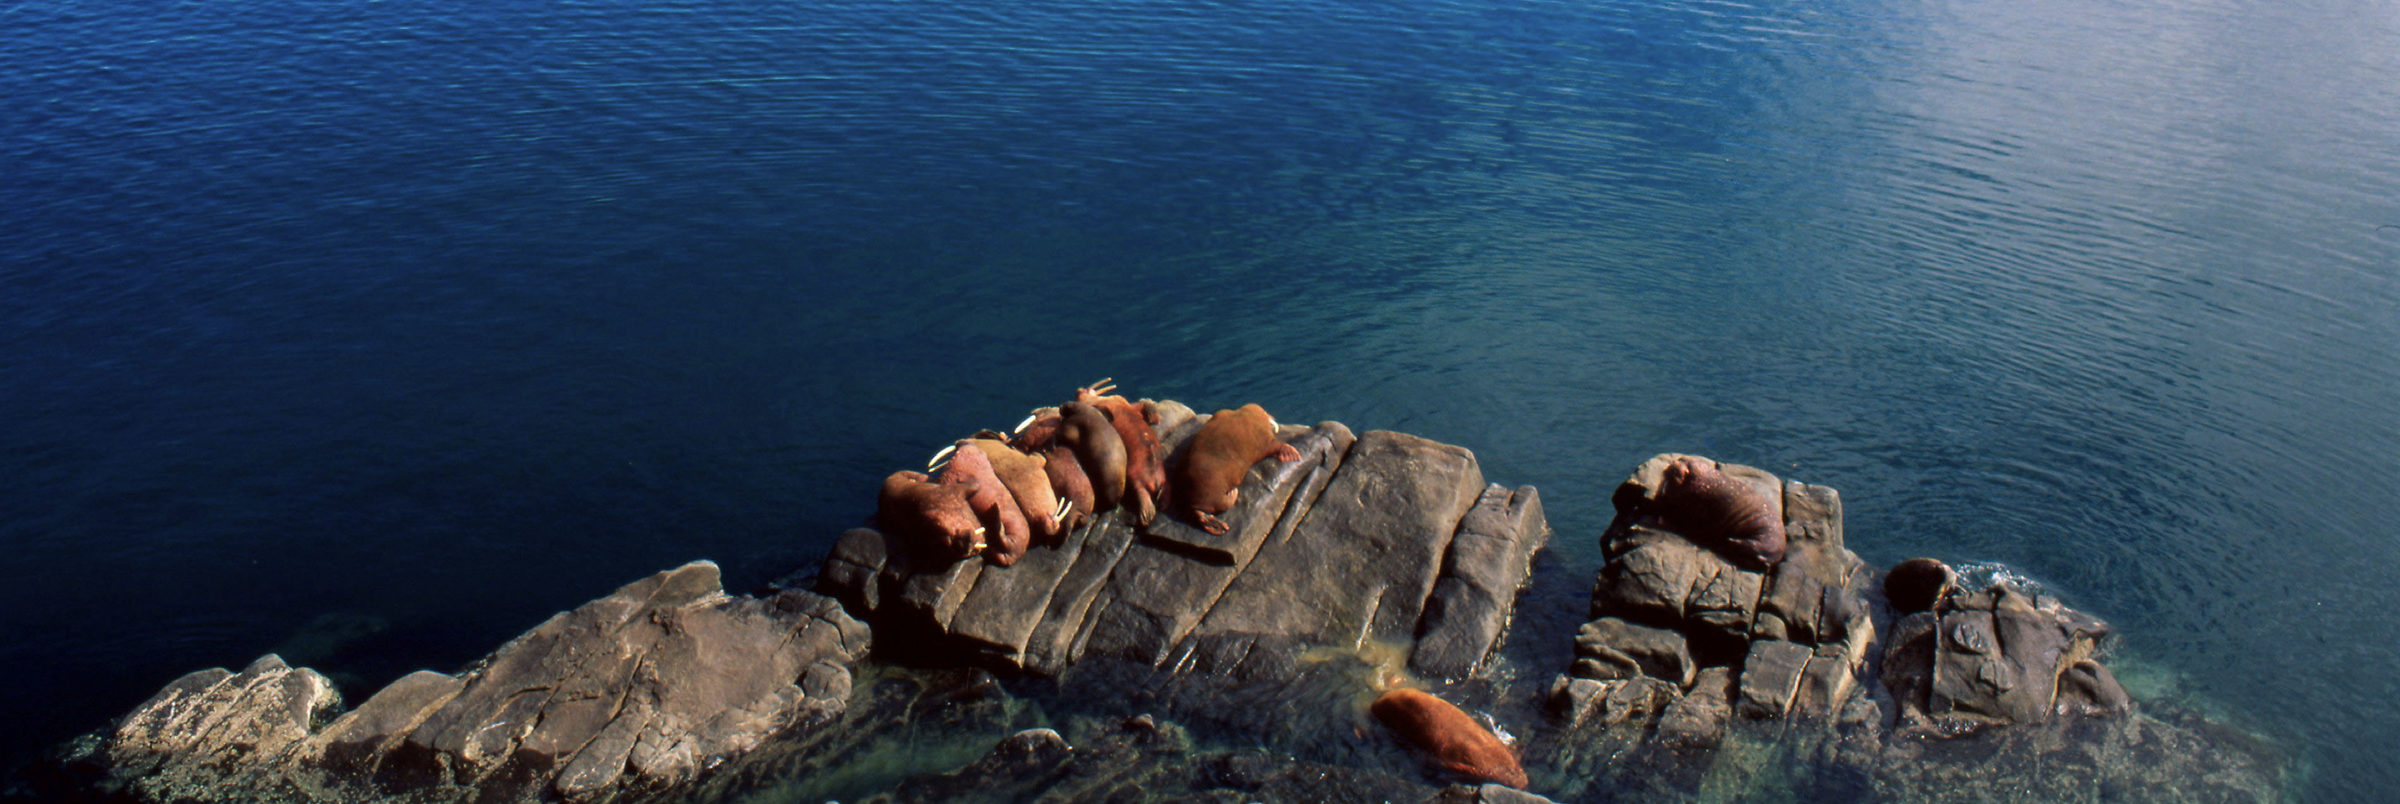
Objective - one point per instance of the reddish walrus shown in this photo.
(1721, 513)
(1448, 737)
(1029, 482)
(1098, 450)
(1145, 463)
(933, 520)
(1209, 480)
(1008, 535)
(1038, 431)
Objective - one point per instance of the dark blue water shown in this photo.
(437, 320)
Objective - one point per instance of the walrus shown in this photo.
(1447, 737)
(1029, 482)
(1209, 479)
(1072, 485)
(1917, 584)
(1038, 431)
(1724, 514)
(933, 520)
(1098, 450)
(1007, 534)
(1145, 462)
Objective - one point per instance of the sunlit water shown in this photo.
(440, 320)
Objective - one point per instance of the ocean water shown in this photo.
(374, 332)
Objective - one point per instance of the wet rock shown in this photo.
(1771, 677)
(1698, 719)
(1997, 657)
(1488, 562)
(1656, 652)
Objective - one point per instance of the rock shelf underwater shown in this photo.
(1165, 662)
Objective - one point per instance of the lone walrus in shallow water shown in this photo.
(1210, 478)
(1448, 737)
(1722, 513)
(1918, 584)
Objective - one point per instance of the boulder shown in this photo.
(1656, 652)
(641, 689)
(1698, 719)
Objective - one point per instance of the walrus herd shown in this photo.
(997, 495)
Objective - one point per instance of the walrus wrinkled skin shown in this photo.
(1098, 449)
(933, 520)
(1145, 462)
(1448, 737)
(1029, 483)
(1918, 584)
(1209, 479)
(1721, 513)
(1007, 535)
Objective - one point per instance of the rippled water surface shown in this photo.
(375, 332)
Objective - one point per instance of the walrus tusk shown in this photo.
(938, 456)
(936, 469)
(980, 544)
(1101, 387)
(1060, 514)
(1028, 422)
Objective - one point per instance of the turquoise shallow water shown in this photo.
(440, 322)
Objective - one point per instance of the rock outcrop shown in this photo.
(1386, 538)
(1698, 678)
(1691, 677)
(636, 691)
(1668, 611)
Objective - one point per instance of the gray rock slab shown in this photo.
(1266, 490)
(1699, 718)
(1651, 575)
(1489, 561)
(1365, 557)
(1171, 577)
(999, 615)
(1660, 653)
(1771, 677)
(1065, 623)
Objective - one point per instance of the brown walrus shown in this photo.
(1007, 533)
(1917, 584)
(1145, 462)
(1209, 479)
(1722, 513)
(1029, 482)
(1448, 737)
(933, 520)
(1068, 479)
(1098, 450)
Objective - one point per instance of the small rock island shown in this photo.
(1164, 661)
